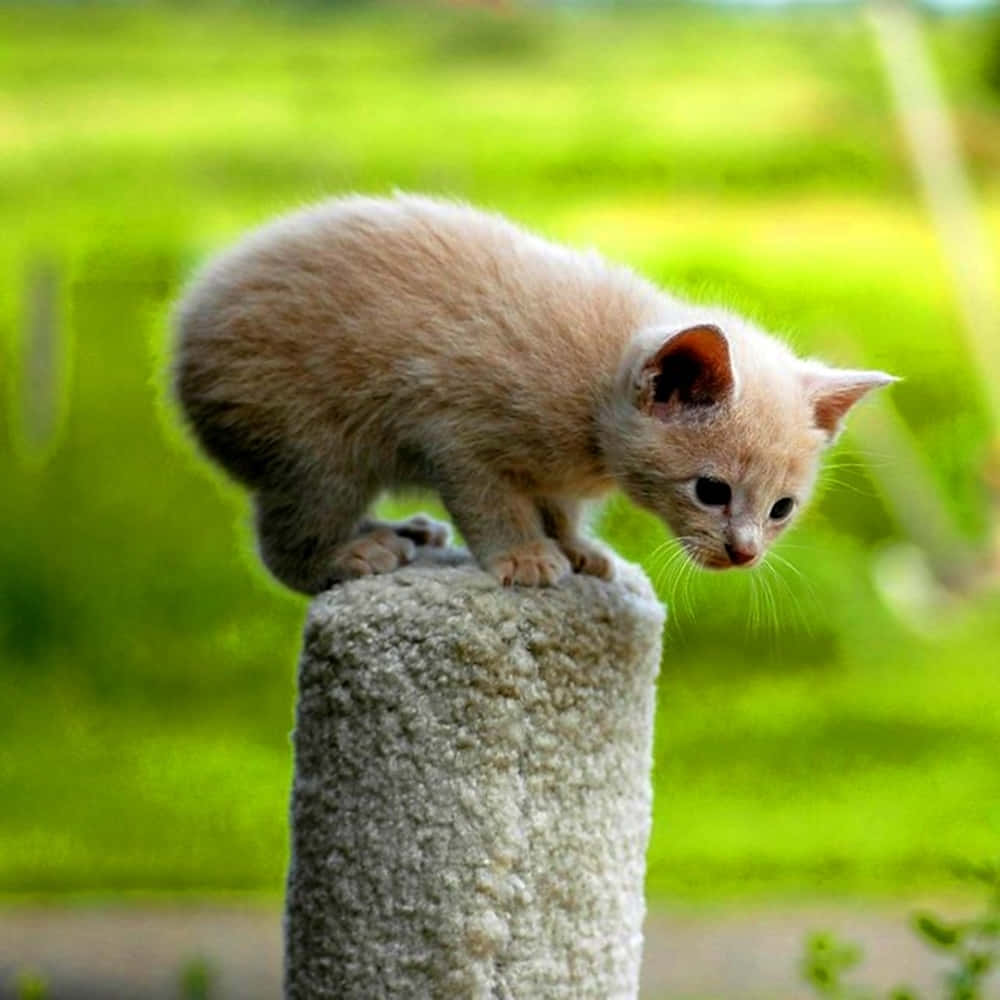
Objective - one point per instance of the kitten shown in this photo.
(366, 344)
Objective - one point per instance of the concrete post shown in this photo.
(471, 801)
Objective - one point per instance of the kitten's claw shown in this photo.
(588, 557)
(535, 564)
(382, 551)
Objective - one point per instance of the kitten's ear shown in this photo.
(691, 368)
(833, 391)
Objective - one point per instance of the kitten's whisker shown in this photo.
(784, 562)
(761, 603)
(842, 484)
(857, 454)
(655, 568)
(800, 609)
(690, 578)
(807, 583)
(680, 566)
(664, 546)
(772, 601)
(665, 580)
(770, 625)
(795, 598)
(685, 572)
(659, 559)
(675, 569)
(849, 462)
(663, 556)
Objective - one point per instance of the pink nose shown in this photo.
(739, 557)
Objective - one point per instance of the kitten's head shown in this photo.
(721, 433)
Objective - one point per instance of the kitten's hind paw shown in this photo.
(419, 529)
(381, 551)
(588, 557)
(422, 530)
(535, 564)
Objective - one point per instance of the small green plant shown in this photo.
(30, 985)
(197, 977)
(825, 962)
(973, 947)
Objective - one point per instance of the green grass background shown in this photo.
(807, 742)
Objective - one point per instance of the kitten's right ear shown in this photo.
(691, 368)
(833, 391)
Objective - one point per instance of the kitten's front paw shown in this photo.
(382, 551)
(535, 564)
(589, 557)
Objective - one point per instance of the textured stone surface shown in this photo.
(471, 802)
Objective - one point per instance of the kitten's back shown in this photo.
(371, 315)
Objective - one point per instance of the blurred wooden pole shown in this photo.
(42, 361)
(909, 492)
(936, 158)
(934, 153)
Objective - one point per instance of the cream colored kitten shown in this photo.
(366, 344)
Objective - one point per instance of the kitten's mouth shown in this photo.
(712, 561)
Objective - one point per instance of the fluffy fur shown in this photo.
(370, 344)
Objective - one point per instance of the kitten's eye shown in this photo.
(782, 508)
(712, 492)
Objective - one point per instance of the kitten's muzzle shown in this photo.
(711, 557)
(740, 557)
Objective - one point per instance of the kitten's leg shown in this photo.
(311, 540)
(561, 520)
(504, 532)
(419, 529)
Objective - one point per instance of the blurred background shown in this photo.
(828, 737)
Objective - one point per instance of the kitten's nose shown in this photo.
(739, 557)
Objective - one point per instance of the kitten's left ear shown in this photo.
(833, 391)
(692, 368)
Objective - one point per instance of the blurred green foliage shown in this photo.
(806, 741)
(971, 948)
